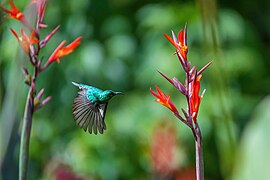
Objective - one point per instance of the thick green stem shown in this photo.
(199, 154)
(25, 136)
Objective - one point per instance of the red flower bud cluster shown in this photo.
(191, 86)
(32, 44)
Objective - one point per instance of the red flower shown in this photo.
(61, 51)
(14, 12)
(164, 100)
(64, 172)
(195, 98)
(163, 148)
(24, 41)
(181, 43)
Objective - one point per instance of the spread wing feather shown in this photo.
(88, 115)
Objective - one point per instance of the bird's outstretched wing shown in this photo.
(88, 115)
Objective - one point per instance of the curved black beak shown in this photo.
(118, 93)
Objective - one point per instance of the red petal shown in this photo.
(69, 48)
(14, 33)
(162, 94)
(154, 93)
(171, 41)
(12, 5)
(180, 37)
(53, 56)
(74, 44)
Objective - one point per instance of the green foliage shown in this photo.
(123, 46)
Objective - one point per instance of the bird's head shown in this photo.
(108, 94)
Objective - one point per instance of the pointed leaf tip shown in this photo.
(166, 77)
(206, 66)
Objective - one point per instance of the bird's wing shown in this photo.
(88, 115)
(102, 109)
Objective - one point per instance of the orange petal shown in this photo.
(171, 41)
(53, 56)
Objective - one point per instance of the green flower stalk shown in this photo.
(32, 45)
(190, 89)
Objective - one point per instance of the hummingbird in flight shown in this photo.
(89, 107)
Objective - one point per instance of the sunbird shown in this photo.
(89, 107)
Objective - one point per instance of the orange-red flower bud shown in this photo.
(61, 51)
(14, 12)
(25, 41)
(195, 98)
(181, 43)
(163, 99)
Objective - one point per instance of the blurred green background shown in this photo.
(123, 47)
